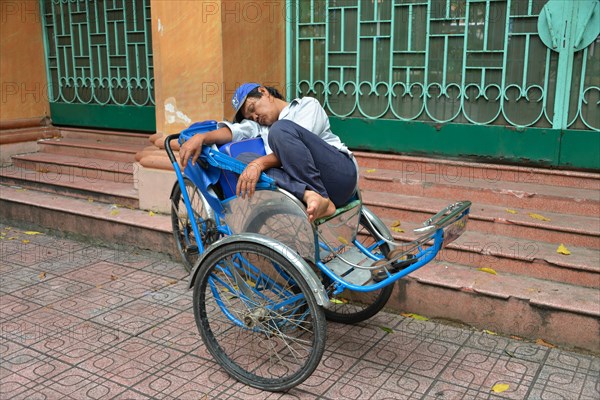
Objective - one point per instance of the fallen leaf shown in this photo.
(90, 200)
(509, 353)
(115, 212)
(342, 240)
(25, 241)
(508, 210)
(539, 217)
(386, 329)
(516, 337)
(489, 332)
(114, 277)
(488, 270)
(500, 387)
(171, 282)
(563, 250)
(151, 213)
(12, 238)
(395, 224)
(542, 342)
(33, 233)
(396, 229)
(42, 275)
(415, 316)
(371, 170)
(338, 301)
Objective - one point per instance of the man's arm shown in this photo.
(246, 184)
(193, 146)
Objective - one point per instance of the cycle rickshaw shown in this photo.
(265, 280)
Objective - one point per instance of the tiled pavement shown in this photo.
(82, 321)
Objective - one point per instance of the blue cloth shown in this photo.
(308, 162)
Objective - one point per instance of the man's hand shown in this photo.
(190, 150)
(247, 182)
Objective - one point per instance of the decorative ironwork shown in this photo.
(477, 61)
(99, 52)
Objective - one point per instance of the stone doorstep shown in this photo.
(60, 164)
(95, 135)
(507, 304)
(91, 149)
(541, 197)
(72, 185)
(415, 167)
(418, 209)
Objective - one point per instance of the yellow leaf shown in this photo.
(542, 342)
(488, 270)
(396, 229)
(415, 316)
(114, 277)
(42, 275)
(489, 332)
(172, 282)
(33, 233)
(395, 224)
(371, 170)
(563, 250)
(115, 212)
(25, 241)
(336, 301)
(12, 238)
(500, 387)
(342, 240)
(508, 210)
(90, 200)
(539, 217)
(151, 213)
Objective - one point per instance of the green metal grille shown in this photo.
(478, 62)
(99, 60)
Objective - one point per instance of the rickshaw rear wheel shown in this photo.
(351, 307)
(185, 239)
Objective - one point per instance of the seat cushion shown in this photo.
(228, 180)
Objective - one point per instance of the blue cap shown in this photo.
(239, 97)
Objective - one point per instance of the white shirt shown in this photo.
(306, 112)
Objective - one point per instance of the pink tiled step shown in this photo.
(72, 185)
(92, 219)
(90, 148)
(509, 194)
(139, 139)
(524, 306)
(575, 230)
(89, 168)
(507, 254)
(416, 168)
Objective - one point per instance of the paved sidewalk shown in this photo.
(82, 321)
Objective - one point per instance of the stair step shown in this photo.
(91, 149)
(90, 168)
(522, 306)
(515, 256)
(575, 230)
(510, 194)
(415, 167)
(71, 185)
(140, 139)
(91, 219)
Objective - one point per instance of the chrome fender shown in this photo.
(298, 262)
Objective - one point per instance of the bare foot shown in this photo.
(317, 206)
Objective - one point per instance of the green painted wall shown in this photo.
(527, 146)
(131, 118)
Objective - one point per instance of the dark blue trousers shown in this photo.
(309, 163)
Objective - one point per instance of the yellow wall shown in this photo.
(204, 49)
(23, 84)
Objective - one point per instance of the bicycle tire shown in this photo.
(237, 301)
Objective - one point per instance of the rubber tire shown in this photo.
(203, 320)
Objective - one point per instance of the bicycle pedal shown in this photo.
(192, 250)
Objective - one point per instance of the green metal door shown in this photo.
(509, 80)
(99, 63)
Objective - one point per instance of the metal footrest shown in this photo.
(356, 276)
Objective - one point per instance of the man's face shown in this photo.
(262, 110)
